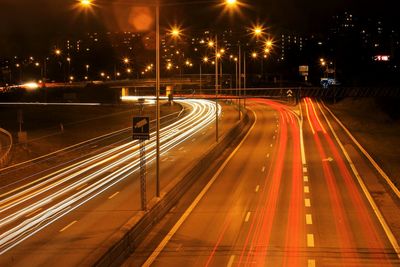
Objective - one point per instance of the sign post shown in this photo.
(141, 132)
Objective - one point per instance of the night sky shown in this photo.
(27, 24)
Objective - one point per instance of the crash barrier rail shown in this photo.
(119, 246)
(4, 159)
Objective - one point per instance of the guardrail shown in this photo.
(119, 246)
(5, 158)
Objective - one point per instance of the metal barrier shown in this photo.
(5, 158)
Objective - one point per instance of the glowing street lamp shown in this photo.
(268, 43)
(126, 60)
(85, 3)
(258, 31)
(175, 32)
(254, 55)
(231, 3)
(57, 52)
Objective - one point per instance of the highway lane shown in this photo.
(275, 204)
(99, 208)
(347, 230)
(253, 212)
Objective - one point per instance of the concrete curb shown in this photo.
(119, 246)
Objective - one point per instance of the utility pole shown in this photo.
(216, 88)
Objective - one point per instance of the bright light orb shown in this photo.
(86, 3)
(176, 32)
(231, 2)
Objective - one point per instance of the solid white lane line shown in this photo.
(306, 189)
(257, 188)
(305, 178)
(366, 154)
(307, 202)
(189, 210)
(310, 240)
(68, 226)
(247, 216)
(231, 260)
(33, 212)
(308, 219)
(364, 188)
(311, 263)
(113, 195)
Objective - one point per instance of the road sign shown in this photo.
(141, 128)
(289, 93)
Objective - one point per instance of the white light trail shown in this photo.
(57, 194)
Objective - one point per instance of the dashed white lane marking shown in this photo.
(196, 201)
(164, 159)
(68, 226)
(271, 145)
(180, 149)
(204, 133)
(263, 169)
(305, 178)
(257, 188)
(310, 240)
(308, 219)
(194, 139)
(304, 169)
(273, 137)
(113, 195)
(311, 263)
(307, 202)
(268, 155)
(306, 189)
(231, 260)
(247, 216)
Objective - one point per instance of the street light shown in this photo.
(86, 3)
(257, 31)
(175, 32)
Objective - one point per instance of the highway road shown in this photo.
(287, 196)
(60, 218)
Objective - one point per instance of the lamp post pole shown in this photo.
(157, 98)
(216, 88)
(240, 76)
(200, 80)
(244, 79)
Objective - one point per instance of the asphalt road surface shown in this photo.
(287, 196)
(62, 217)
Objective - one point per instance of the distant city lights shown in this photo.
(382, 58)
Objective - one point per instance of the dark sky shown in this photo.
(27, 24)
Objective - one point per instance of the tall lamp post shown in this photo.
(231, 4)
